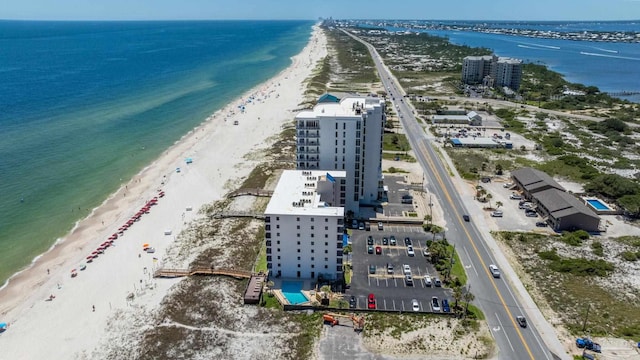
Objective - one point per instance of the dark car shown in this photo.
(466, 218)
(445, 306)
(371, 301)
(385, 241)
(352, 302)
(370, 249)
(541, 224)
(407, 241)
(369, 240)
(392, 240)
(521, 321)
(372, 269)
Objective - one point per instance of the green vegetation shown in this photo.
(468, 162)
(394, 170)
(597, 249)
(574, 238)
(630, 255)
(567, 284)
(395, 142)
(398, 157)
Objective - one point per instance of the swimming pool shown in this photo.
(292, 291)
(597, 204)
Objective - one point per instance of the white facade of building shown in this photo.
(345, 135)
(304, 225)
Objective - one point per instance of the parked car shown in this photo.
(427, 281)
(414, 305)
(367, 226)
(496, 213)
(445, 306)
(521, 321)
(354, 224)
(380, 226)
(410, 251)
(372, 269)
(352, 302)
(369, 240)
(426, 252)
(437, 282)
(515, 197)
(385, 241)
(406, 269)
(466, 218)
(389, 268)
(370, 249)
(371, 301)
(435, 305)
(407, 241)
(507, 185)
(392, 240)
(408, 279)
(541, 224)
(361, 226)
(495, 272)
(378, 250)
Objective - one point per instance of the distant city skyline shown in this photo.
(549, 10)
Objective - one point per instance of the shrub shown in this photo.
(582, 267)
(628, 256)
(596, 246)
(549, 255)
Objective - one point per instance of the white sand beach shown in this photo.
(72, 324)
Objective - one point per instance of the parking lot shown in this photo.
(397, 189)
(391, 291)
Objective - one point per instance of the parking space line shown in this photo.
(394, 304)
(378, 281)
(384, 301)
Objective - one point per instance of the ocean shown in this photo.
(84, 106)
(612, 67)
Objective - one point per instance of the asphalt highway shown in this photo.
(494, 296)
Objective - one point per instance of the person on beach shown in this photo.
(94, 308)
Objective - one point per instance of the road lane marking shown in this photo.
(505, 333)
(431, 165)
(470, 262)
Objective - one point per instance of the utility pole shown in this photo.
(453, 251)
(430, 210)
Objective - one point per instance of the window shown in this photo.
(298, 242)
(298, 258)
(268, 250)
(267, 235)
(278, 257)
(326, 251)
(312, 243)
(267, 227)
(312, 258)
(298, 265)
(297, 219)
(277, 242)
(312, 235)
(298, 227)
(278, 235)
(278, 249)
(298, 250)
(326, 219)
(278, 226)
(326, 259)
(267, 219)
(326, 228)
(279, 265)
(311, 227)
(326, 266)
(268, 243)
(312, 251)
(298, 234)
(312, 266)
(269, 258)
(326, 243)
(326, 236)
(277, 218)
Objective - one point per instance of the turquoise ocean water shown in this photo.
(86, 105)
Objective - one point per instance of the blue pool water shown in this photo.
(597, 204)
(292, 291)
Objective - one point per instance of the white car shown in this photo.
(435, 305)
(427, 281)
(414, 305)
(406, 269)
(410, 251)
(497, 213)
(495, 272)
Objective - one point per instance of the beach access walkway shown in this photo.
(250, 192)
(173, 273)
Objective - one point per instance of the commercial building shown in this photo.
(345, 134)
(304, 225)
(561, 210)
(472, 118)
(491, 70)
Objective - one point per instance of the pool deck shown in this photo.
(610, 210)
(306, 286)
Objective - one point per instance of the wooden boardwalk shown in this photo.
(250, 192)
(173, 273)
(238, 214)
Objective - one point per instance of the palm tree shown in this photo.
(467, 297)
(498, 204)
(489, 197)
(457, 295)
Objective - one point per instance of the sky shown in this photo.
(314, 9)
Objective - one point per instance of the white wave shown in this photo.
(609, 56)
(530, 47)
(543, 46)
(606, 50)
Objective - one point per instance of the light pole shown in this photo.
(430, 211)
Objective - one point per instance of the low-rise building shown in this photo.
(304, 225)
(471, 118)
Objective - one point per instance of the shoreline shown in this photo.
(217, 160)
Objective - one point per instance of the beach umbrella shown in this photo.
(89, 259)
(94, 252)
(83, 266)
